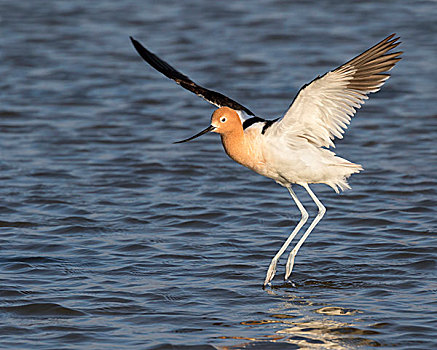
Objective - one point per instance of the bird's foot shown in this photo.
(289, 265)
(270, 272)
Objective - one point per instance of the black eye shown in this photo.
(223, 119)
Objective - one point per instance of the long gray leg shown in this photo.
(322, 210)
(272, 268)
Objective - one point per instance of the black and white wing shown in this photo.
(323, 109)
(211, 96)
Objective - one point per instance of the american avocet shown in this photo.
(293, 149)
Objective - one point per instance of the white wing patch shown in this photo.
(242, 115)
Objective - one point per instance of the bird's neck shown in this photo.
(237, 146)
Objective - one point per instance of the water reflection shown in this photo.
(307, 325)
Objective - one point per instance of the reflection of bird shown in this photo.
(293, 149)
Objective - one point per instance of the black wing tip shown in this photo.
(142, 51)
(137, 45)
(133, 41)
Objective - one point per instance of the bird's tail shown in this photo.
(341, 184)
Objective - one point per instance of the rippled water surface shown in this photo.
(113, 237)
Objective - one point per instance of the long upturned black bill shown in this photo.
(209, 128)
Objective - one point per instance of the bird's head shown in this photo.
(224, 121)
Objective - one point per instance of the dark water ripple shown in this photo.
(112, 237)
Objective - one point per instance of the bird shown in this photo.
(294, 149)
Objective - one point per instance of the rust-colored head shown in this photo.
(224, 121)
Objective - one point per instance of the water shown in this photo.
(112, 237)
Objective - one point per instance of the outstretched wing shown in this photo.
(323, 109)
(163, 67)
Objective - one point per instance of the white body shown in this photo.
(290, 159)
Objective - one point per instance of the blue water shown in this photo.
(113, 237)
